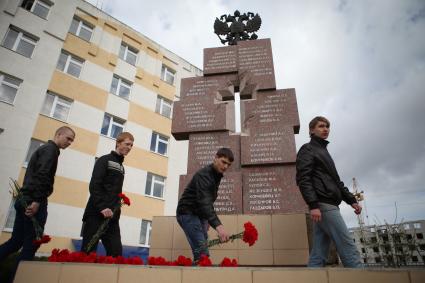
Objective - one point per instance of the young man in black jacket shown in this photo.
(195, 210)
(37, 187)
(105, 185)
(323, 191)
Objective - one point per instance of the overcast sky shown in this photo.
(359, 63)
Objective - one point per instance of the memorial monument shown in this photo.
(235, 104)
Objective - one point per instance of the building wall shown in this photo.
(91, 99)
(372, 242)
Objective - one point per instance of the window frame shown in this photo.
(82, 24)
(121, 83)
(22, 35)
(68, 103)
(2, 81)
(41, 3)
(76, 60)
(160, 109)
(148, 233)
(158, 137)
(11, 211)
(112, 121)
(154, 179)
(167, 70)
(25, 164)
(128, 49)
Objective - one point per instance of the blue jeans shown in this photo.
(23, 234)
(332, 227)
(196, 231)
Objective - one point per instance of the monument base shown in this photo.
(283, 240)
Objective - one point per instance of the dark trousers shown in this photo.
(196, 231)
(111, 239)
(23, 235)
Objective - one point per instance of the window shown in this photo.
(376, 249)
(8, 88)
(155, 185)
(10, 217)
(163, 106)
(34, 144)
(419, 236)
(167, 74)
(406, 226)
(417, 225)
(81, 29)
(145, 232)
(20, 42)
(377, 259)
(422, 247)
(159, 143)
(120, 87)
(414, 258)
(372, 229)
(373, 239)
(112, 126)
(361, 240)
(363, 250)
(128, 54)
(70, 64)
(56, 107)
(409, 236)
(37, 7)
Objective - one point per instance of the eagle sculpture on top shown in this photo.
(239, 29)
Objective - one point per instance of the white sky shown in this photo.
(359, 63)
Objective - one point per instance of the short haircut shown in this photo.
(225, 152)
(124, 135)
(64, 129)
(316, 120)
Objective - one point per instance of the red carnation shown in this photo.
(250, 235)
(204, 261)
(124, 199)
(227, 262)
(43, 240)
(183, 261)
(157, 260)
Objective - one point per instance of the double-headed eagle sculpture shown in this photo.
(240, 27)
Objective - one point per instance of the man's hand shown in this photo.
(316, 215)
(222, 234)
(107, 213)
(357, 208)
(32, 209)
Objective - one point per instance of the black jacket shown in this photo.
(317, 176)
(40, 174)
(105, 185)
(200, 194)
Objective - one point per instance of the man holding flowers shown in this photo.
(32, 198)
(105, 190)
(195, 210)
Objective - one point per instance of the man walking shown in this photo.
(195, 210)
(37, 187)
(323, 191)
(105, 185)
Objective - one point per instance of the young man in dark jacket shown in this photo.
(105, 185)
(195, 210)
(37, 187)
(323, 191)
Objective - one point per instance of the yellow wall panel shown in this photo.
(85, 141)
(70, 192)
(143, 207)
(147, 161)
(149, 119)
(75, 89)
(82, 48)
